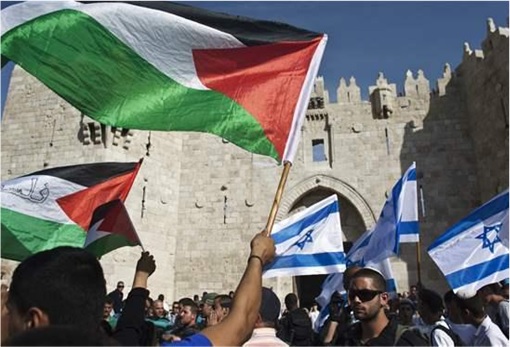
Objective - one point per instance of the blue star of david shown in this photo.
(305, 239)
(487, 243)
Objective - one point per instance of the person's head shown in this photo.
(451, 306)
(161, 297)
(348, 273)
(61, 335)
(470, 308)
(406, 310)
(120, 286)
(231, 294)
(430, 306)
(291, 301)
(208, 301)
(62, 286)
(188, 312)
(413, 292)
(176, 307)
(269, 309)
(108, 307)
(222, 305)
(314, 307)
(367, 295)
(196, 298)
(490, 293)
(158, 309)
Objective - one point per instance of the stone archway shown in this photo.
(356, 216)
(333, 184)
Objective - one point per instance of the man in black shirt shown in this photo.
(117, 297)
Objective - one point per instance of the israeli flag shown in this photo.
(309, 242)
(398, 221)
(474, 252)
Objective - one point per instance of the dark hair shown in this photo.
(449, 297)
(190, 303)
(348, 273)
(473, 305)
(291, 301)
(67, 283)
(376, 277)
(108, 300)
(431, 299)
(224, 300)
(161, 297)
(60, 335)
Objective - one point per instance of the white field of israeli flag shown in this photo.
(474, 252)
(309, 242)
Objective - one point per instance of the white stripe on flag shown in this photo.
(36, 196)
(474, 252)
(309, 242)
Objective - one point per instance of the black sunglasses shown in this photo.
(363, 294)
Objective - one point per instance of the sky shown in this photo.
(368, 37)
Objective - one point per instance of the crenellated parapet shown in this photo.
(348, 94)
(418, 88)
(496, 42)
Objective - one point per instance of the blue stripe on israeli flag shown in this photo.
(474, 251)
(309, 242)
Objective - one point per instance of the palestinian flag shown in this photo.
(165, 66)
(110, 228)
(54, 207)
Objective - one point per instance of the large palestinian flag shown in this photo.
(55, 207)
(166, 66)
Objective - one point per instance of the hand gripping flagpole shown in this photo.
(278, 197)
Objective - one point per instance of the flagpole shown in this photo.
(278, 197)
(418, 261)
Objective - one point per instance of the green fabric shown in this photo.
(107, 244)
(24, 235)
(105, 79)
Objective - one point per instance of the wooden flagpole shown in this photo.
(278, 197)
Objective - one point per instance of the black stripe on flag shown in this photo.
(88, 175)
(251, 32)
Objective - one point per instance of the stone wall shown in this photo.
(198, 199)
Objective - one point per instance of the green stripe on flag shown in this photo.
(97, 72)
(23, 235)
(108, 243)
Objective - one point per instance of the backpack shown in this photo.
(457, 341)
(410, 336)
(296, 328)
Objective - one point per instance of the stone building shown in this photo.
(198, 200)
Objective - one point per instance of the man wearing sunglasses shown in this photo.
(368, 297)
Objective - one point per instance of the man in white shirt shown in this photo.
(472, 312)
(496, 305)
(430, 308)
(264, 333)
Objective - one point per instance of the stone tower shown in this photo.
(198, 199)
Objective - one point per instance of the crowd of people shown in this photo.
(58, 297)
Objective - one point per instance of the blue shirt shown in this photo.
(193, 340)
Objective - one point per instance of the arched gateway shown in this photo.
(355, 214)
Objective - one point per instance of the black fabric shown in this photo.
(250, 32)
(131, 329)
(116, 297)
(88, 175)
(412, 337)
(352, 336)
(296, 328)
(457, 341)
